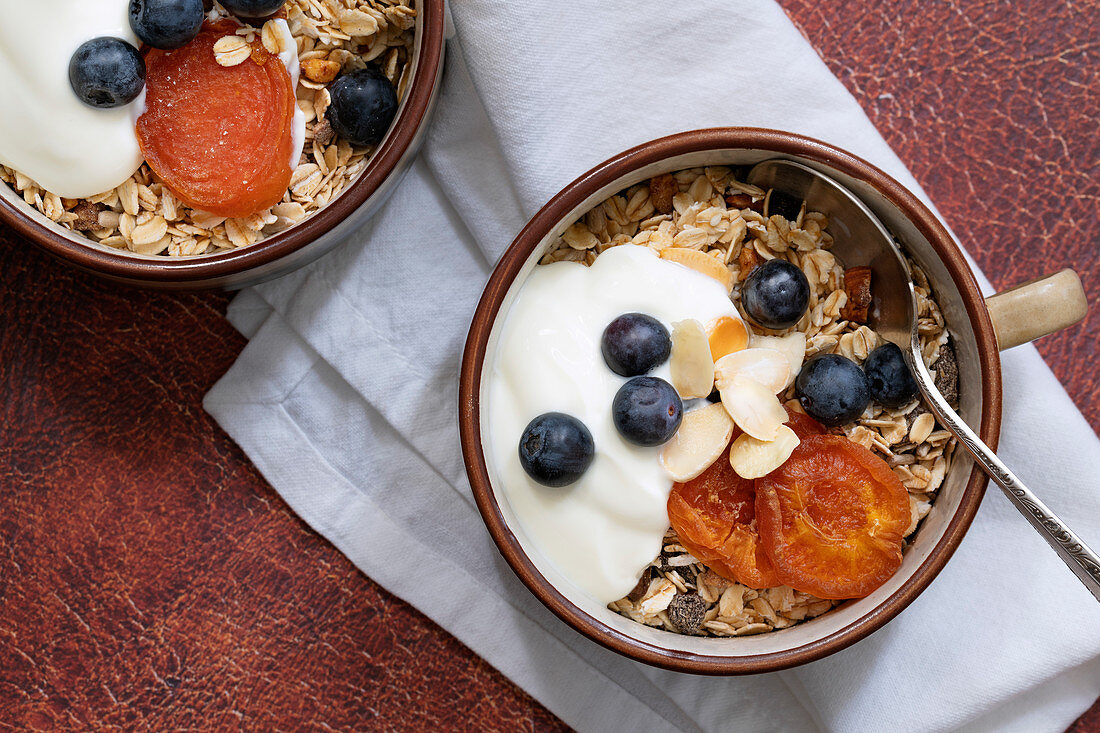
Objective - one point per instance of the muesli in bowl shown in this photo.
(233, 122)
(711, 439)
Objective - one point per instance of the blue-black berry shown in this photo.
(107, 72)
(363, 106)
(647, 411)
(252, 8)
(166, 24)
(776, 294)
(556, 449)
(635, 343)
(832, 389)
(888, 375)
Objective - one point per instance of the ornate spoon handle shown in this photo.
(1084, 563)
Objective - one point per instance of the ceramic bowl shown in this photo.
(968, 317)
(287, 250)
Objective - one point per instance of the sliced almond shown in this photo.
(754, 408)
(793, 346)
(690, 363)
(767, 366)
(727, 335)
(700, 262)
(752, 458)
(703, 435)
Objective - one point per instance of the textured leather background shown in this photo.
(149, 578)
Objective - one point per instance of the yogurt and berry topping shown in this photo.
(691, 421)
(177, 127)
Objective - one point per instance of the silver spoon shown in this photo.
(861, 239)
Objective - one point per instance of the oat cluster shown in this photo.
(709, 210)
(332, 36)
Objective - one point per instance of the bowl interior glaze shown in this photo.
(926, 241)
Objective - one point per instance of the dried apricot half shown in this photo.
(221, 137)
(832, 518)
(714, 515)
(802, 424)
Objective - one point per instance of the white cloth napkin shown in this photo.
(346, 395)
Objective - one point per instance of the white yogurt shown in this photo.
(601, 531)
(46, 132)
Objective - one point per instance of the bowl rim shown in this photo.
(385, 160)
(550, 216)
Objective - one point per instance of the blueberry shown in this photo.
(776, 294)
(891, 382)
(252, 8)
(634, 343)
(166, 24)
(363, 106)
(647, 411)
(556, 449)
(107, 72)
(832, 389)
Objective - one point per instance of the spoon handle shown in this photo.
(1084, 563)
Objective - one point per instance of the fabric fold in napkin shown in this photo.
(346, 395)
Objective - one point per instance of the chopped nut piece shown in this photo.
(323, 132)
(321, 71)
(87, 216)
(857, 284)
(747, 261)
(661, 191)
(739, 200)
(643, 585)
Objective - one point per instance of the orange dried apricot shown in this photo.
(220, 137)
(727, 335)
(802, 424)
(832, 518)
(714, 516)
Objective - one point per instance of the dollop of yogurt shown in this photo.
(601, 531)
(46, 132)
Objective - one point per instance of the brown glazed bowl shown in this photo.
(968, 317)
(287, 250)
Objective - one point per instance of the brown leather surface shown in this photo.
(149, 578)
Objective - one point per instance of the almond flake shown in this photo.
(752, 458)
(766, 366)
(754, 408)
(701, 439)
(792, 345)
(690, 363)
(700, 262)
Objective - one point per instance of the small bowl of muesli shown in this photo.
(198, 144)
(684, 433)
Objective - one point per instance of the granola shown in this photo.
(709, 211)
(142, 215)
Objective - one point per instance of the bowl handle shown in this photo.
(1037, 308)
